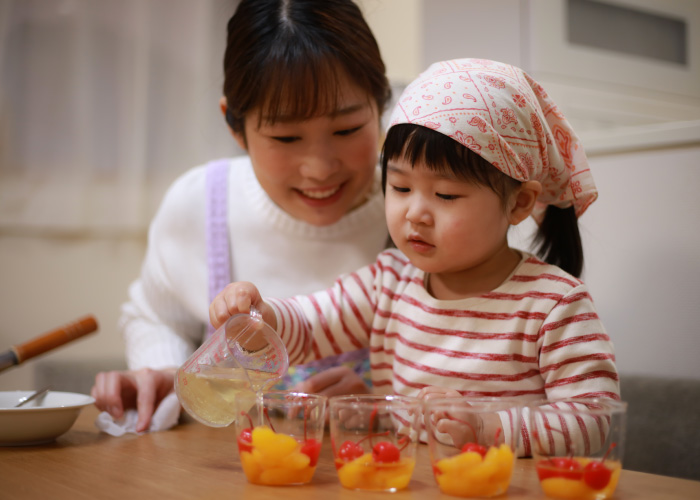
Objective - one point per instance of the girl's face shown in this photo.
(319, 169)
(448, 227)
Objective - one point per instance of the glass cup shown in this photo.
(374, 440)
(245, 355)
(279, 438)
(472, 443)
(578, 445)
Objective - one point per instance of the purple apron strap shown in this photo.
(220, 275)
(218, 251)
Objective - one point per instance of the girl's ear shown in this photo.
(238, 136)
(523, 202)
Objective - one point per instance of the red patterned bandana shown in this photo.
(507, 118)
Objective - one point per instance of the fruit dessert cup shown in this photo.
(472, 444)
(374, 440)
(578, 446)
(279, 438)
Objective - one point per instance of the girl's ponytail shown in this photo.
(559, 241)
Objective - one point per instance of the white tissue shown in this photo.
(165, 417)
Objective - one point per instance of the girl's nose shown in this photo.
(418, 211)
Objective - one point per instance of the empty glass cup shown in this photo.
(244, 356)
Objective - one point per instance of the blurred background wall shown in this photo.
(103, 104)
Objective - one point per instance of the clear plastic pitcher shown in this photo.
(244, 356)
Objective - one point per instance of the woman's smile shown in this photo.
(321, 196)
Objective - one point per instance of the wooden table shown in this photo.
(193, 461)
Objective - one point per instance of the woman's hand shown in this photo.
(238, 297)
(144, 389)
(336, 381)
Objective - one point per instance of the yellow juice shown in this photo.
(215, 394)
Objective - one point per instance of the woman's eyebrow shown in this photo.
(348, 110)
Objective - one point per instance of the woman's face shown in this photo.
(319, 169)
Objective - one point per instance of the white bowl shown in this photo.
(39, 421)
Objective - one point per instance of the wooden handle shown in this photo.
(55, 338)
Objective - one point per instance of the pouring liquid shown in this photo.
(213, 396)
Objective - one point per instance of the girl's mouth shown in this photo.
(419, 245)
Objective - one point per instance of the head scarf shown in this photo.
(503, 115)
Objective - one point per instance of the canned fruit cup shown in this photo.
(283, 448)
(374, 440)
(578, 446)
(472, 444)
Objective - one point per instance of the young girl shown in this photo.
(304, 88)
(473, 148)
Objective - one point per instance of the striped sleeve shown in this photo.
(576, 360)
(576, 355)
(568, 433)
(330, 322)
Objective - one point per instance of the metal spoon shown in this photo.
(32, 397)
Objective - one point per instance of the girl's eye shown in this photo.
(285, 139)
(348, 131)
(400, 189)
(447, 196)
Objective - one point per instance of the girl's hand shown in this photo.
(433, 391)
(460, 427)
(238, 297)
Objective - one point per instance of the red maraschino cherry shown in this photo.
(245, 440)
(478, 448)
(312, 449)
(474, 447)
(350, 451)
(385, 452)
(565, 467)
(596, 474)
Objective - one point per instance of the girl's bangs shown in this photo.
(443, 155)
(417, 144)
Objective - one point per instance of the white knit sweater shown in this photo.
(168, 308)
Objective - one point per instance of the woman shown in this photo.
(304, 90)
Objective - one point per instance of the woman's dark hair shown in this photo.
(285, 59)
(558, 237)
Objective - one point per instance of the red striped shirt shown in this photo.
(537, 334)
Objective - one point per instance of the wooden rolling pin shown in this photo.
(20, 353)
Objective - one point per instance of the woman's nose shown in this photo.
(320, 163)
